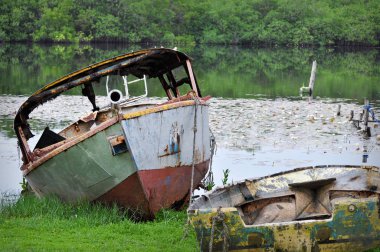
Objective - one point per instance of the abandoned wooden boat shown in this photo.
(329, 208)
(139, 156)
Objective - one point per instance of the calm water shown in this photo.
(261, 123)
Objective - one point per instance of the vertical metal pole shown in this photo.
(125, 79)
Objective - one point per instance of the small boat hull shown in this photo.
(270, 220)
(140, 155)
(150, 191)
(153, 172)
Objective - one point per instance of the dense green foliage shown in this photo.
(48, 224)
(270, 22)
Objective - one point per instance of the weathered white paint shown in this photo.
(165, 139)
(353, 178)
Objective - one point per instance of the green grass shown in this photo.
(48, 224)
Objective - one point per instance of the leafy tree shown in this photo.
(263, 22)
(56, 23)
(108, 28)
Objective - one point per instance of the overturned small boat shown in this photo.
(326, 208)
(136, 154)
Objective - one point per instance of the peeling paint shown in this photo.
(354, 224)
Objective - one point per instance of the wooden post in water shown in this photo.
(338, 113)
(366, 117)
(351, 115)
(312, 77)
(365, 111)
(310, 88)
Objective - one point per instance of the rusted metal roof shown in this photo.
(150, 62)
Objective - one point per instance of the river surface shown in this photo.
(261, 123)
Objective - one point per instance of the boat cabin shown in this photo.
(136, 68)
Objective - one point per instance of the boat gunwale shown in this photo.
(255, 179)
(196, 211)
(215, 210)
(218, 190)
(61, 147)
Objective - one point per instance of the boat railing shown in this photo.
(116, 97)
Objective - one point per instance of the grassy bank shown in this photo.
(47, 224)
(34, 224)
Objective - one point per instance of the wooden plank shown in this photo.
(312, 78)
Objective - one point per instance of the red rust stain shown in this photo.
(102, 118)
(89, 117)
(151, 190)
(162, 192)
(116, 140)
(129, 194)
(77, 129)
(168, 154)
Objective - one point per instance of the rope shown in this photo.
(219, 219)
(209, 180)
(193, 164)
(197, 102)
(186, 231)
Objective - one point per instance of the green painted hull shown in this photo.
(143, 162)
(85, 171)
(346, 231)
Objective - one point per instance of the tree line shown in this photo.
(248, 22)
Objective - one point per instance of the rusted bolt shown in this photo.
(351, 208)
(323, 234)
(77, 129)
(256, 240)
(120, 139)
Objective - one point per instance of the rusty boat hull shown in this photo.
(152, 172)
(329, 208)
(138, 155)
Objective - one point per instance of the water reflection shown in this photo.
(10, 174)
(242, 164)
(260, 122)
(232, 72)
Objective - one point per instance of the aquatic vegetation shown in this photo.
(210, 186)
(283, 124)
(226, 172)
